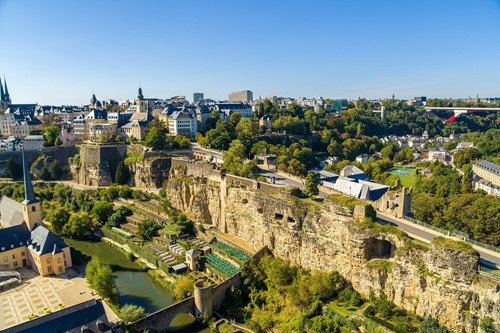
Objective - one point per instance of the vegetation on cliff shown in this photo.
(446, 243)
(276, 296)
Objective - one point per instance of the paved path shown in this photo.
(427, 235)
(37, 293)
(89, 187)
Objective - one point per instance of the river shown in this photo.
(136, 286)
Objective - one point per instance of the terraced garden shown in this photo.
(221, 265)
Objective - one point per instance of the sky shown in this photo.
(60, 52)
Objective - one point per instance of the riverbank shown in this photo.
(134, 284)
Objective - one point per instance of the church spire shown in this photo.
(140, 96)
(29, 195)
(2, 97)
(6, 93)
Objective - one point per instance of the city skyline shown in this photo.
(63, 52)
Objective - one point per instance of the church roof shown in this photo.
(11, 212)
(43, 241)
(14, 237)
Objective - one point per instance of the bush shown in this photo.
(130, 313)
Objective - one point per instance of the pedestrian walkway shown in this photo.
(37, 293)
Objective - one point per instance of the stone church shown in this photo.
(24, 240)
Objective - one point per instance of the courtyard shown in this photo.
(37, 293)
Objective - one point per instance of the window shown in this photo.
(60, 269)
(33, 208)
(58, 260)
(23, 254)
(49, 269)
(48, 260)
(15, 264)
(14, 256)
(5, 259)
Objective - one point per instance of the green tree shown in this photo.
(102, 210)
(322, 324)
(58, 219)
(78, 226)
(181, 141)
(384, 307)
(183, 287)
(125, 192)
(55, 170)
(116, 219)
(311, 183)
(58, 141)
(147, 229)
(51, 133)
(13, 169)
(130, 313)
(155, 138)
(122, 175)
(234, 119)
(99, 277)
(234, 157)
(430, 325)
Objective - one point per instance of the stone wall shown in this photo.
(98, 163)
(204, 301)
(160, 320)
(151, 172)
(395, 202)
(61, 154)
(334, 237)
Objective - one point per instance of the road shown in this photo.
(282, 179)
(416, 231)
(488, 257)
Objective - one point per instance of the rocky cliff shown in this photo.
(96, 164)
(440, 281)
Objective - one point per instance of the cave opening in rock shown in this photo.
(290, 219)
(244, 201)
(278, 216)
(378, 249)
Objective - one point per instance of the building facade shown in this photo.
(245, 96)
(24, 241)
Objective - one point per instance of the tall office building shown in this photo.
(245, 96)
(197, 97)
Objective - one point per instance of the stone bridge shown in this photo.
(203, 303)
(160, 320)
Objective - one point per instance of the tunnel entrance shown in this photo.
(378, 249)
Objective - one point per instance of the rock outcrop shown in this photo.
(440, 281)
(151, 172)
(97, 163)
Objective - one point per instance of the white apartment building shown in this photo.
(33, 142)
(183, 123)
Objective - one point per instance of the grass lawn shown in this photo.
(345, 311)
(225, 328)
(419, 242)
(409, 180)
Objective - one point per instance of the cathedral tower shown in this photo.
(31, 206)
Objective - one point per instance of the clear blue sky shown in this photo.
(55, 52)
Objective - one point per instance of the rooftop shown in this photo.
(489, 166)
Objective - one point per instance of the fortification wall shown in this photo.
(333, 237)
(98, 163)
(61, 154)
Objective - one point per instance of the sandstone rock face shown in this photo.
(98, 164)
(151, 173)
(439, 282)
